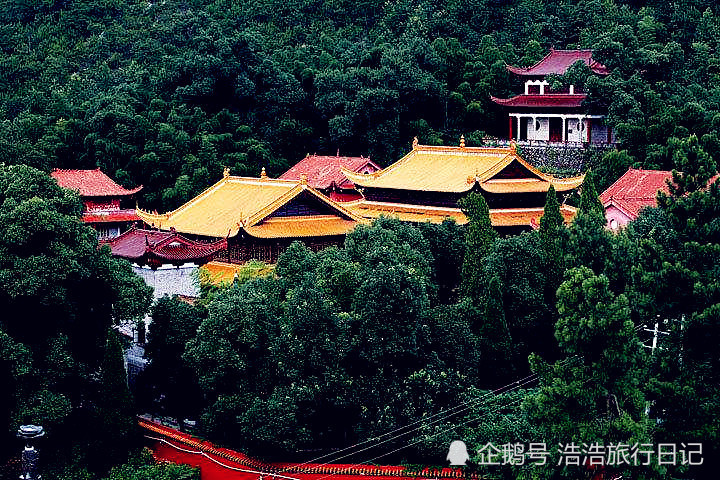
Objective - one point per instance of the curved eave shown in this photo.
(525, 186)
(157, 220)
(133, 191)
(163, 222)
(559, 100)
(302, 227)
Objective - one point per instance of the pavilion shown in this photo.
(557, 116)
(426, 184)
(108, 206)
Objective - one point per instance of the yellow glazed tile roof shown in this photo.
(406, 212)
(310, 226)
(502, 217)
(236, 203)
(458, 169)
(221, 272)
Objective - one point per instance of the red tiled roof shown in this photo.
(112, 216)
(558, 61)
(635, 190)
(552, 100)
(324, 170)
(90, 183)
(156, 247)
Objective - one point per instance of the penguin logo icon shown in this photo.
(458, 454)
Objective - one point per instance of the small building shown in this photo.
(426, 184)
(109, 208)
(167, 261)
(632, 192)
(324, 173)
(542, 115)
(259, 217)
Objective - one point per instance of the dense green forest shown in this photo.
(403, 322)
(165, 93)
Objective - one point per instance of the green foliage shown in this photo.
(348, 342)
(596, 393)
(589, 241)
(59, 294)
(168, 384)
(116, 416)
(479, 238)
(344, 343)
(143, 466)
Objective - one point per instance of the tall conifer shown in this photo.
(479, 237)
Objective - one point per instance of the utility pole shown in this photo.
(655, 331)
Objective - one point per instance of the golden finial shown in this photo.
(415, 143)
(303, 179)
(226, 172)
(513, 146)
(263, 173)
(462, 141)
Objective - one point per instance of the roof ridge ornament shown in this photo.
(462, 141)
(415, 143)
(303, 179)
(513, 146)
(226, 172)
(263, 173)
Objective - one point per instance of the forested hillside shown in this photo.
(403, 323)
(165, 93)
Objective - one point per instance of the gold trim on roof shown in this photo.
(307, 226)
(237, 203)
(500, 217)
(450, 169)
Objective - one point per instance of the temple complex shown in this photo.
(324, 173)
(109, 208)
(426, 184)
(541, 114)
(259, 217)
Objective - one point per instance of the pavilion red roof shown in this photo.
(558, 61)
(635, 190)
(90, 183)
(550, 100)
(156, 247)
(324, 170)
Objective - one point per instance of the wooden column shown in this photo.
(589, 129)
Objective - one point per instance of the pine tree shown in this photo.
(117, 428)
(478, 240)
(497, 355)
(596, 393)
(693, 203)
(589, 241)
(553, 238)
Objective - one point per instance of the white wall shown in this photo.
(543, 132)
(576, 130)
(170, 280)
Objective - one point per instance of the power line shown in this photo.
(444, 414)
